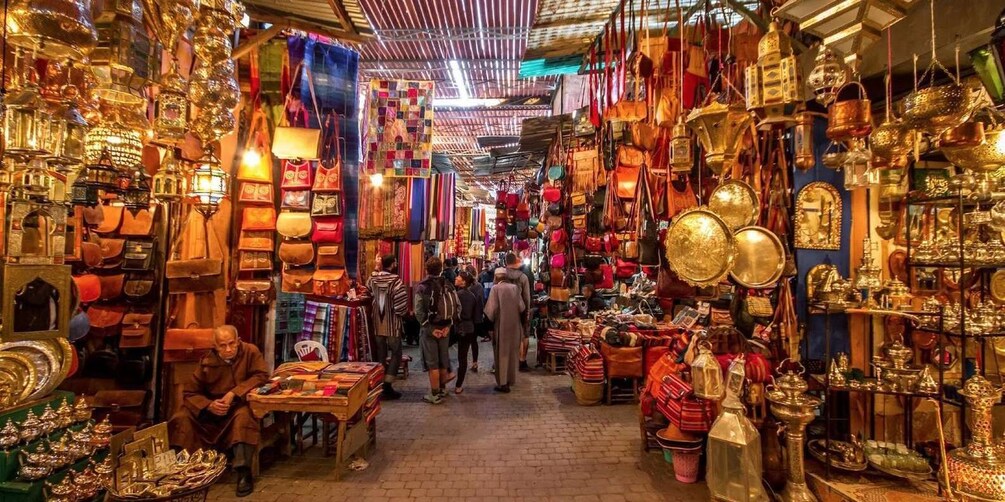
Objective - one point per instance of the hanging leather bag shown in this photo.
(136, 332)
(292, 141)
(194, 275)
(139, 256)
(187, 344)
(253, 292)
(296, 253)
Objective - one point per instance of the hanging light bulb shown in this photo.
(251, 158)
(376, 180)
(209, 184)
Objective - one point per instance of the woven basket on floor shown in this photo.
(587, 394)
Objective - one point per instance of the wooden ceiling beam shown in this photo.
(260, 38)
(343, 16)
(270, 15)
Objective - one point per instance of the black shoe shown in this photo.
(505, 389)
(245, 485)
(523, 366)
(498, 388)
(389, 394)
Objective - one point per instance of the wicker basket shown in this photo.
(587, 394)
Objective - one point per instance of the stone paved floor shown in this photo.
(534, 443)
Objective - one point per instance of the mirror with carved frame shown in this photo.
(818, 217)
(37, 233)
(37, 301)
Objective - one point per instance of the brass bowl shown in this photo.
(937, 108)
(966, 135)
(851, 118)
(890, 141)
(986, 157)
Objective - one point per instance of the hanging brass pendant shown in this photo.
(891, 143)
(54, 29)
(720, 129)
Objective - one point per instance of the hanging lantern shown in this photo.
(168, 182)
(34, 182)
(26, 122)
(171, 108)
(828, 75)
(803, 141)
(891, 144)
(851, 117)
(120, 134)
(988, 155)
(102, 175)
(989, 62)
(773, 85)
(136, 195)
(125, 60)
(847, 26)
(209, 184)
(857, 166)
(733, 469)
(67, 132)
(82, 191)
(706, 374)
(53, 29)
(720, 129)
(681, 156)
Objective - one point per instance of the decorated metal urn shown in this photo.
(978, 470)
(791, 405)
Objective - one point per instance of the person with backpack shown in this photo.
(471, 309)
(390, 304)
(506, 309)
(436, 308)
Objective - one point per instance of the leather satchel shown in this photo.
(139, 256)
(297, 176)
(105, 319)
(140, 224)
(331, 282)
(255, 193)
(626, 173)
(296, 253)
(298, 281)
(253, 292)
(327, 205)
(136, 331)
(299, 200)
(622, 362)
(88, 287)
(255, 241)
(290, 141)
(259, 218)
(111, 252)
(187, 344)
(255, 260)
(328, 179)
(330, 255)
(194, 275)
(138, 286)
(327, 230)
(111, 219)
(111, 286)
(294, 225)
(93, 215)
(90, 253)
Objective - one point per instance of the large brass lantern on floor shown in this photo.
(734, 468)
(53, 29)
(720, 129)
(773, 85)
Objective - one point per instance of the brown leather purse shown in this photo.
(136, 331)
(194, 275)
(296, 252)
(255, 241)
(255, 193)
(90, 253)
(294, 225)
(139, 256)
(330, 255)
(88, 287)
(137, 225)
(626, 173)
(255, 260)
(111, 219)
(111, 286)
(331, 282)
(622, 362)
(298, 280)
(187, 344)
(93, 215)
(253, 292)
(259, 218)
(111, 252)
(105, 319)
(138, 286)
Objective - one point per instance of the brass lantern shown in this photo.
(82, 191)
(773, 85)
(125, 60)
(720, 129)
(67, 132)
(136, 195)
(171, 108)
(209, 184)
(168, 181)
(803, 141)
(891, 143)
(706, 374)
(733, 470)
(857, 166)
(847, 26)
(827, 76)
(26, 122)
(34, 182)
(121, 134)
(681, 154)
(53, 29)
(101, 174)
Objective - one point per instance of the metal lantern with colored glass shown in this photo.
(172, 103)
(82, 191)
(802, 139)
(209, 184)
(989, 62)
(67, 133)
(706, 374)
(828, 74)
(136, 195)
(120, 134)
(26, 122)
(773, 85)
(733, 469)
(168, 181)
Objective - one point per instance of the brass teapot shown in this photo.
(10, 435)
(31, 427)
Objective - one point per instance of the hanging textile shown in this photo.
(400, 118)
(344, 330)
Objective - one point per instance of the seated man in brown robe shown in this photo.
(215, 413)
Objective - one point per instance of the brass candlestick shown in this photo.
(791, 404)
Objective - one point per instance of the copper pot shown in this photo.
(850, 118)
(966, 135)
(937, 108)
(986, 157)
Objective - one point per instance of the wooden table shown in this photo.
(340, 408)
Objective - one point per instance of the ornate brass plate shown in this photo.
(818, 217)
(760, 257)
(45, 360)
(998, 286)
(64, 351)
(17, 378)
(736, 203)
(700, 247)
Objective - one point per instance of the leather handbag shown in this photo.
(294, 225)
(299, 200)
(587, 172)
(258, 141)
(105, 319)
(111, 219)
(298, 280)
(139, 255)
(594, 244)
(289, 140)
(624, 269)
(94, 215)
(330, 255)
(327, 230)
(255, 241)
(90, 253)
(259, 218)
(253, 292)
(111, 286)
(111, 252)
(136, 331)
(187, 344)
(627, 171)
(296, 252)
(140, 224)
(331, 282)
(579, 222)
(88, 287)
(254, 260)
(622, 362)
(296, 175)
(255, 193)
(551, 193)
(327, 205)
(328, 177)
(558, 261)
(193, 275)
(644, 135)
(138, 286)
(607, 277)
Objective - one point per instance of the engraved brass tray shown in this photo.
(760, 257)
(700, 247)
(17, 378)
(44, 358)
(736, 203)
(998, 287)
(64, 351)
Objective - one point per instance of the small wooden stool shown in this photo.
(556, 362)
(620, 394)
